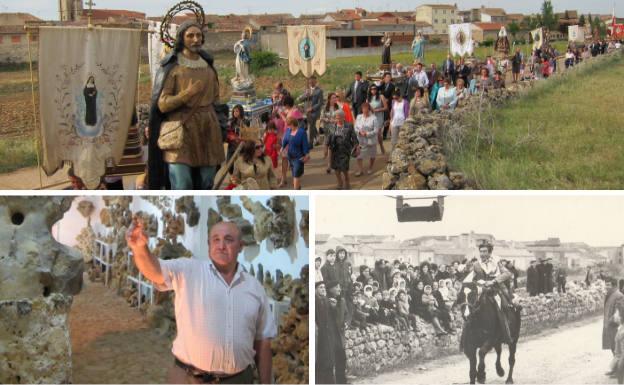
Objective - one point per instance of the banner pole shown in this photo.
(34, 106)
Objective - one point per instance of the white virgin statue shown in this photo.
(242, 49)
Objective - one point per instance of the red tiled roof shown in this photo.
(107, 13)
(489, 26)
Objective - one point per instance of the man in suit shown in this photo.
(387, 90)
(614, 300)
(448, 68)
(357, 93)
(548, 276)
(541, 277)
(531, 283)
(313, 98)
(433, 75)
(463, 72)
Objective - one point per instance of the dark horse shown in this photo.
(482, 331)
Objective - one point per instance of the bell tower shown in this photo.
(70, 10)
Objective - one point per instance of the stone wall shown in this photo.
(419, 161)
(381, 347)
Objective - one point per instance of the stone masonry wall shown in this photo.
(381, 347)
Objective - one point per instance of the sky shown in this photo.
(595, 220)
(47, 9)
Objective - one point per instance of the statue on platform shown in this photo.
(387, 43)
(242, 48)
(418, 47)
(502, 43)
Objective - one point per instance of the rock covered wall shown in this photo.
(38, 277)
(380, 347)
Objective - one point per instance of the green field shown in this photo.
(566, 133)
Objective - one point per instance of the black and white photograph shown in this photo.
(469, 289)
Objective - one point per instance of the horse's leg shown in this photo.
(512, 362)
(485, 349)
(472, 356)
(499, 368)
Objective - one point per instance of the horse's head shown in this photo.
(468, 298)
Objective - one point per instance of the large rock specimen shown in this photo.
(227, 209)
(262, 217)
(186, 205)
(34, 340)
(282, 226)
(304, 226)
(32, 262)
(38, 276)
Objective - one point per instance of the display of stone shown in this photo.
(246, 229)
(34, 342)
(166, 250)
(262, 218)
(213, 218)
(186, 205)
(161, 202)
(86, 241)
(105, 217)
(173, 226)
(304, 226)
(120, 201)
(282, 226)
(227, 209)
(86, 208)
(291, 348)
(150, 223)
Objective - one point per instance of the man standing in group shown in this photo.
(313, 98)
(358, 92)
(330, 353)
(541, 277)
(548, 276)
(614, 300)
(338, 311)
(223, 317)
(562, 276)
(531, 282)
(418, 79)
(516, 64)
(448, 68)
(188, 147)
(433, 75)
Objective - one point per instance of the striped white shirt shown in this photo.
(217, 323)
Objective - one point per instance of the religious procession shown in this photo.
(408, 122)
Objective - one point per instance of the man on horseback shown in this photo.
(494, 276)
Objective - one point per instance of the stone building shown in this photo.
(439, 16)
(485, 31)
(14, 38)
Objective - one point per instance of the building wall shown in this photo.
(14, 48)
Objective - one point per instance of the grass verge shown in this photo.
(566, 133)
(17, 153)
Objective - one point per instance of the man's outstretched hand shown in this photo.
(135, 236)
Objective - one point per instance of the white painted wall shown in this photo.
(289, 261)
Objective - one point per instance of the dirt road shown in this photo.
(569, 355)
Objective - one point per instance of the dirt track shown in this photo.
(569, 355)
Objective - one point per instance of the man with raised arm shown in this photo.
(223, 318)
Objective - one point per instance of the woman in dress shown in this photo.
(447, 98)
(398, 115)
(342, 143)
(328, 122)
(367, 130)
(379, 105)
(252, 169)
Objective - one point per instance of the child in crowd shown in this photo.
(432, 310)
(402, 306)
(271, 143)
(360, 315)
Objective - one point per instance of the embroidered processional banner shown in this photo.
(460, 38)
(307, 49)
(87, 90)
(537, 35)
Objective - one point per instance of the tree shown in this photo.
(582, 20)
(513, 29)
(548, 16)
